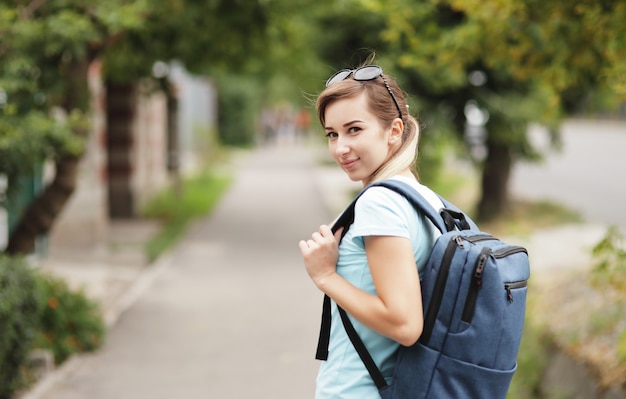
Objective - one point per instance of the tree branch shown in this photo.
(27, 12)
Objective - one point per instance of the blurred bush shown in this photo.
(70, 321)
(609, 270)
(19, 320)
(535, 351)
(610, 260)
(239, 102)
(39, 311)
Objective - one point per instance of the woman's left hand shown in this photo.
(320, 253)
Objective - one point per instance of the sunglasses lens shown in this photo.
(365, 73)
(338, 77)
(370, 72)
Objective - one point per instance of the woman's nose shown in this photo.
(341, 146)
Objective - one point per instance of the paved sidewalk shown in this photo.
(230, 312)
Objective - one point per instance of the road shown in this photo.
(588, 175)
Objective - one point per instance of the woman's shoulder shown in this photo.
(381, 202)
(379, 194)
(425, 191)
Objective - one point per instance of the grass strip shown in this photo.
(176, 207)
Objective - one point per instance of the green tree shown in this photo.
(46, 48)
(45, 51)
(202, 36)
(254, 51)
(539, 60)
(521, 61)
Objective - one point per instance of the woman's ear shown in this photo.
(397, 127)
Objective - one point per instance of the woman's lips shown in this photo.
(349, 164)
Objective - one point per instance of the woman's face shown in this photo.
(356, 139)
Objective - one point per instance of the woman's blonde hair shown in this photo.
(382, 105)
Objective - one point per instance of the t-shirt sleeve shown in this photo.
(381, 212)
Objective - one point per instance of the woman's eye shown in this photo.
(331, 135)
(354, 129)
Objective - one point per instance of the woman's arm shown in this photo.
(396, 311)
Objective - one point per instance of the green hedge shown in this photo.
(39, 311)
(70, 321)
(19, 321)
(239, 100)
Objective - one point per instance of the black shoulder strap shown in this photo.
(323, 341)
(447, 220)
(344, 220)
(365, 356)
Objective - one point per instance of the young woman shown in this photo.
(373, 272)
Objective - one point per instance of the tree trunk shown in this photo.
(173, 144)
(41, 213)
(495, 180)
(121, 103)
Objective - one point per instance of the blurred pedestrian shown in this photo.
(303, 123)
(372, 273)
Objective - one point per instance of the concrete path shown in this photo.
(231, 312)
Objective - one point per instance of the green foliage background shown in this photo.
(40, 311)
(70, 321)
(239, 103)
(19, 321)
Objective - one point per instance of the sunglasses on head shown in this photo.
(369, 72)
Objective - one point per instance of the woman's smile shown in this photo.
(349, 164)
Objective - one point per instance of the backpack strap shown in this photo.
(344, 220)
(448, 219)
(360, 348)
(323, 341)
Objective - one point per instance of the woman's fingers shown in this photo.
(338, 234)
(322, 238)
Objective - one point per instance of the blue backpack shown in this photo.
(474, 299)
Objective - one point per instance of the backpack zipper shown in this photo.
(440, 284)
(510, 250)
(477, 280)
(479, 238)
(501, 253)
(511, 286)
(472, 295)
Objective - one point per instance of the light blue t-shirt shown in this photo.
(378, 212)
